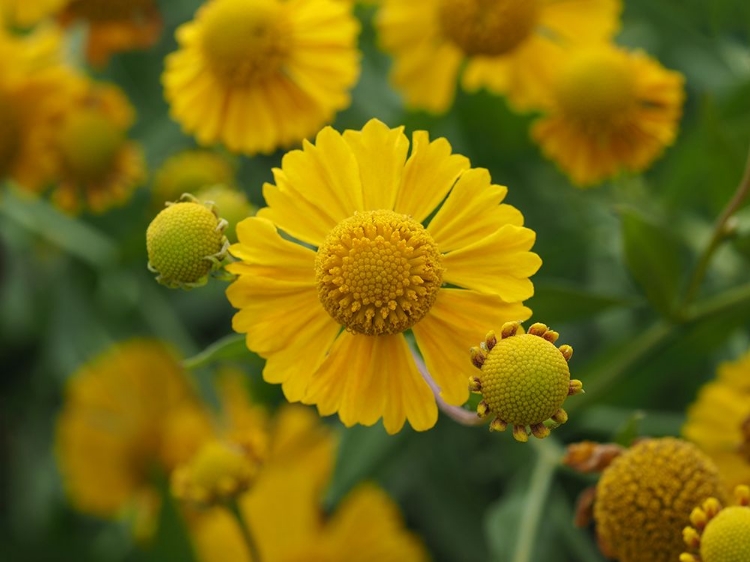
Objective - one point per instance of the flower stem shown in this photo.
(234, 507)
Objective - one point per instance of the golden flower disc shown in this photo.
(488, 27)
(245, 42)
(596, 85)
(726, 538)
(108, 10)
(378, 272)
(89, 142)
(10, 132)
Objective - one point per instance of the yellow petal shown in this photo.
(429, 174)
(380, 153)
(581, 21)
(472, 211)
(457, 321)
(499, 264)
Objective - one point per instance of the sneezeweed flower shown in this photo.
(261, 75)
(510, 47)
(283, 508)
(524, 379)
(190, 171)
(719, 534)
(609, 110)
(644, 497)
(26, 13)
(231, 203)
(115, 432)
(95, 165)
(719, 421)
(186, 242)
(114, 26)
(376, 272)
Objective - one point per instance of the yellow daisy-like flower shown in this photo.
(719, 534)
(510, 47)
(719, 421)
(283, 508)
(190, 171)
(376, 272)
(609, 110)
(260, 75)
(121, 414)
(114, 26)
(96, 166)
(26, 13)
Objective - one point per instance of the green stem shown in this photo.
(234, 507)
(216, 349)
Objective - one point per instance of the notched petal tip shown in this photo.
(566, 351)
(509, 329)
(520, 433)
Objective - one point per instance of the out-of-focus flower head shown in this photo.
(283, 508)
(26, 13)
(114, 25)
(510, 47)
(719, 421)
(232, 205)
(609, 110)
(190, 171)
(377, 272)
(261, 75)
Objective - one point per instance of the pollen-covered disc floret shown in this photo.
(378, 272)
(185, 243)
(719, 534)
(524, 381)
(488, 27)
(644, 497)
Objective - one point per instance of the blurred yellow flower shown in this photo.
(114, 25)
(117, 426)
(719, 421)
(609, 110)
(284, 512)
(377, 273)
(259, 75)
(25, 13)
(190, 171)
(510, 47)
(232, 205)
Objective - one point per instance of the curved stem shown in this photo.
(718, 235)
(234, 507)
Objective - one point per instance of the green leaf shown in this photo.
(630, 429)
(559, 302)
(652, 255)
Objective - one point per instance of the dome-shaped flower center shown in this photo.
(726, 538)
(108, 10)
(245, 42)
(488, 27)
(89, 142)
(596, 86)
(378, 272)
(9, 136)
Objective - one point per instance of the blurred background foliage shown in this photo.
(616, 264)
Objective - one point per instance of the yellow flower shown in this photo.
(644, 497)
(719, 534)
(25, 13)
(263, 74)
(524, 379)
(190, 171)
(114, 25)
(719, 421)
(231, 203)
(510, 47)
(377, 273)
(609, 110)
(96, 166)
(119, 409)
(283, 508)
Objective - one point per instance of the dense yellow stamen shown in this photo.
(245, 42)
(9, 136)
(108, 10)
(488, 27)
(378, 272)
(596, 87)
(89, 142)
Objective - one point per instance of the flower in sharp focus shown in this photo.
(190, 171)
(26, 13)
(510, 47)
(260, 75)
(377, 272)
(609, 110)
(524, 379)
(643, 499)
(114, 25)
(719, 421)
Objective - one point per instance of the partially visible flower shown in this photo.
(609, 110)
(114, 25)
(261, 75)
(719, 421)
(190, 171)
(232, 205)
(26, 13)
(378, 272)
(510, 47)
